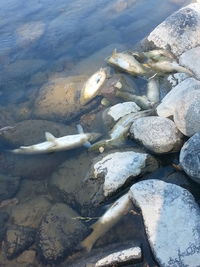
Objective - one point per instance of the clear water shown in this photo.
(42, 39)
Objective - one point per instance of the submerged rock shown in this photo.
(8, 186)
(180, 31)
(157, 134)
(172, 225)
(116, 170)
(18, 239)
(60, 231)
(21, 214)
(3, 219)
(189, 157)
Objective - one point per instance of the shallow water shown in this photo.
(43, 40)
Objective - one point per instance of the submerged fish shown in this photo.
(119, 132)
(141, 101)
(92, 86)
(167, 67)
(59, 144)
(110, 218)
(127, 63)
(153, 91)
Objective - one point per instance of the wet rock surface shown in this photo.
(17, 239)
(59, 233)
(189, 157)
(167, 223)
(157, 134)
(8, 186)
(3, 219)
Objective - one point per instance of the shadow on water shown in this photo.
(44, 40)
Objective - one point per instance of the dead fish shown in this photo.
(167, 67)
(141, 101)
(127, 63)
(6, 128)
(9, 202)
(110, 218)
(92, 86)
(118, 134)
(153, 92)
(59, 144)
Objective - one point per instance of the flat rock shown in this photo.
(157, 134)
(189, 157)
(171, 218)
(188, 58)
(17, 239)
(116, 170)
(114, 113)
(60, 231)
(181, 30)
(169, 102)
(8, 186)
(187, 113)
(21, 214)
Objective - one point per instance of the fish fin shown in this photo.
(87, 144)
(50, 137)
(79, 129)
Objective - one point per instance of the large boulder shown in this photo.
(189, 157)
(59, 233)
(180, 31)
(157, 134)
(171, 218)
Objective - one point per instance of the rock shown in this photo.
(27, 133)
(21, 214)
(65, 184)
(8, 186)
(172, 225)
(110, 173)
(169, 102)
(180, 31)
(114, 113)
(157, 134)
(18, 239)
(28, 256)
(60, 231)
(3, 219)
(59, 99)
(188, 58)
(120, 257)
(187, 113)
(189, 157)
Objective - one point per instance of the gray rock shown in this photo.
(21, 214)
(157, 134)
(188, 58)
(189, 157)
(110, 173)
(3, 219)
(8, 186)
(180, 30)
(114, 113)
(59, 233)
(172, 225)
(59, 99)
(169, 102)
(187, 113)
(18, 239)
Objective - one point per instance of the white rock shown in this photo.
(118, 167)
(181, 30)
(171, 219)
(177, 78)
(120, 257)
(169, 102)
(190, 57)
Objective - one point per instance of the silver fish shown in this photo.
(59, 144)
(118, 134)
(153, 92)
(127, 63)
(92, 86)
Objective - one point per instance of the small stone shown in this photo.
(8, 186)
(27, 256)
